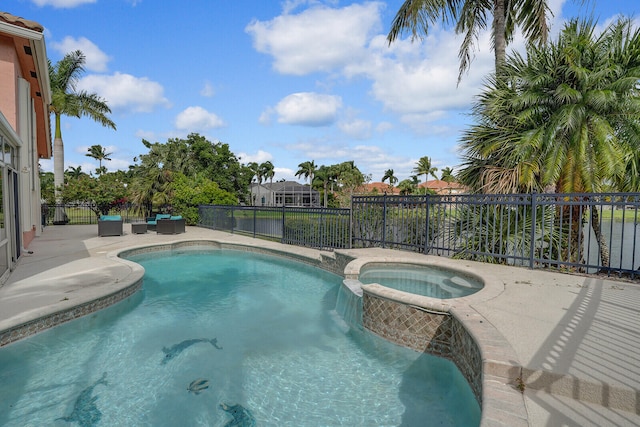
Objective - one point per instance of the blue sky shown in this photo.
(286, 81)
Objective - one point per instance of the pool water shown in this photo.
(280, 352)
(422, 280)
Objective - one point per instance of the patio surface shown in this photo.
(576, 338)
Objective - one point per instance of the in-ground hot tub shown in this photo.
(425, 280)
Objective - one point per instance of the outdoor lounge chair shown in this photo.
(152, 222)
(173, 225)
(110, 225)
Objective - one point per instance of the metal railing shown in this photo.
(313, 227)
(80, 213)
(590, 233)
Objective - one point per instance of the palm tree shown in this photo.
(267, 170)
(308, 169)
(389, 175)
(423, 167)
(99, 153)
(407, 186)
(74, 172)
(326, 175)
(563, 118)
(66, 100)
(447, 175)
(470, 17)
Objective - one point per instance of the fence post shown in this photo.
(532, 246)
(254, 222)
(283, 215)
(384, 220)
(426, 231)
(350, 243)
(233, 220)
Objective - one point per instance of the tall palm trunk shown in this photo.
(499, 33)
(60, 216)
(602, 245)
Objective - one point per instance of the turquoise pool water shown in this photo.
(421, 280)
(280, 352)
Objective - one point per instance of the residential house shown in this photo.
(443, 188)
(283, 193)
(377, 189)
(25, 134)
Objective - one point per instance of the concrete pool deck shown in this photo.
(576, 338)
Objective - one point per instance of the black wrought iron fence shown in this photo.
(578, 232)
(313, 227)
(81, 213)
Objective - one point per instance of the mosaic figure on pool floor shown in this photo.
(173, 351)
(241, 416)
(85, 411)
(198, 386)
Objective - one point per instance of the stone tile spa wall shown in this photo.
(423, 330)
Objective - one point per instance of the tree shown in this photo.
(447, 175)
(348, 177)
(188, 193)
(192, 156)
(267, 170)
(74, 172)
(407, 187)
(308, 169)
(423, 167)
(326, 175)
(389, 175)
(100, 194)
(67, 101)
(470, 17)
(99, 153)
(564, 118)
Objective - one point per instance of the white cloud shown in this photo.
(308, 109)
(410, 78)
(383, 127)
(126, 92)
(356, 128)
(207, 90)
(96, 59)
(62, 4)
(286, 173)
(317, 39)
(197, 118)
(259, 157)
(406, 78)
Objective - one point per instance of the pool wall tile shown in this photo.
(41, 324)
(437, 333)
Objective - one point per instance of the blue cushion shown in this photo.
(110, 218)
(162, 216)
(176, 217)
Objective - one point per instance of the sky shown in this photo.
(281, 81)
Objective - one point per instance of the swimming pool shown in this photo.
(425, 280)
(280, 351)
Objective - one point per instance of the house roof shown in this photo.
(440, 186)
(28, 39)
(379, 187)
(284, 186)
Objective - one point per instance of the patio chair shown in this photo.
(110, 225)
(152, 222)
(172, 225)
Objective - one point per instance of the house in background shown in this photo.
(443, 188)
(377, 189)
(283, 193)
(25, 134)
